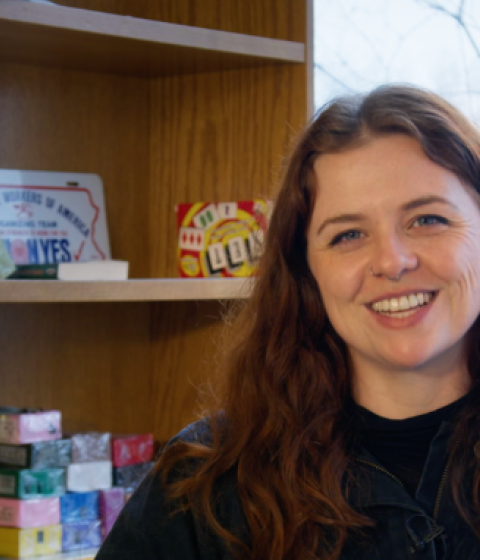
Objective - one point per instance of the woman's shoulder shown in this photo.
(196, 432)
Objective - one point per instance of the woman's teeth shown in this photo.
(404, 303)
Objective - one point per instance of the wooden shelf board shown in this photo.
(80, 555)
(165, 289)
(57, 36)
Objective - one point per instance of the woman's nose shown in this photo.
(392, 257)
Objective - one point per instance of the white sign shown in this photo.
(50, 217)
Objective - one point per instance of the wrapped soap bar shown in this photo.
(130, 477)
(7, 266)
(29, 513)
(79, 506)
(17, 426)
(132, 450)
(85, 477)
(40, 455)
(25, 483)
(91, 446)
(111, 503)
(80, 535)
(37, 541)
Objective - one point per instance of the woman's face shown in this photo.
(385, 207)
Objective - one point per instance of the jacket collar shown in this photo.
(374, 486)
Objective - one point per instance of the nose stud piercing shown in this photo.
(392, 278)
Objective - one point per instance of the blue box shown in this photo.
(81, 535)
(81, 506)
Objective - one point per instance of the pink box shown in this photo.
(30, 427)
(29, 513)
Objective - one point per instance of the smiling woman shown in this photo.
(389, 225)
(346, 419)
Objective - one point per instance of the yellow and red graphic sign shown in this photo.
(222, 239)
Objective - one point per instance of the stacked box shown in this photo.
(79, 535)
(86, 477)
(130, 477)
(111, 503)
(89, 472)
(31, 454)
(26, 514)
(132, 450)
(26, 483)
(18, 427)
(90, 446)
(91, 467)
(25, 543)
(132, 459)
(40, 455)
(36, 515)
(82, 506)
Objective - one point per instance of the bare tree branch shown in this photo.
(458, 17)
(332, 77)
(344, 62)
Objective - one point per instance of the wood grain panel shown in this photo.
(186, 339)
(277, 19)
(219, 136)
(136, 8)
(91, 361)
(96, 363)
(57, 120)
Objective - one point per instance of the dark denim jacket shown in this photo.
(425, 528)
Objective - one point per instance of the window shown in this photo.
(359, 44)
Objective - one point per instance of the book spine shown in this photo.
(35, 272)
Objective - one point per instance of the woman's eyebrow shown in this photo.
(411, 205)
(340, 219)
(429, 199)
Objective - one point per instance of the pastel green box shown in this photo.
(25, 483)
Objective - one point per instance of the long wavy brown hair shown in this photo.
(279, 417)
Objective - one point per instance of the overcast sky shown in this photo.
(359, 44)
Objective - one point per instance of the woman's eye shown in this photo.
(430, 220)
(345, 237)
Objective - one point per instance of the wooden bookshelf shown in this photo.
(169, 102)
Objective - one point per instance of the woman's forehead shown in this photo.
(391, 169)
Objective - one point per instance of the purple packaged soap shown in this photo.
(81, 535)
(111, 503)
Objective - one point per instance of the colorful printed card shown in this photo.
(221, 239)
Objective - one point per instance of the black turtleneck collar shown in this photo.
(401, 446)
